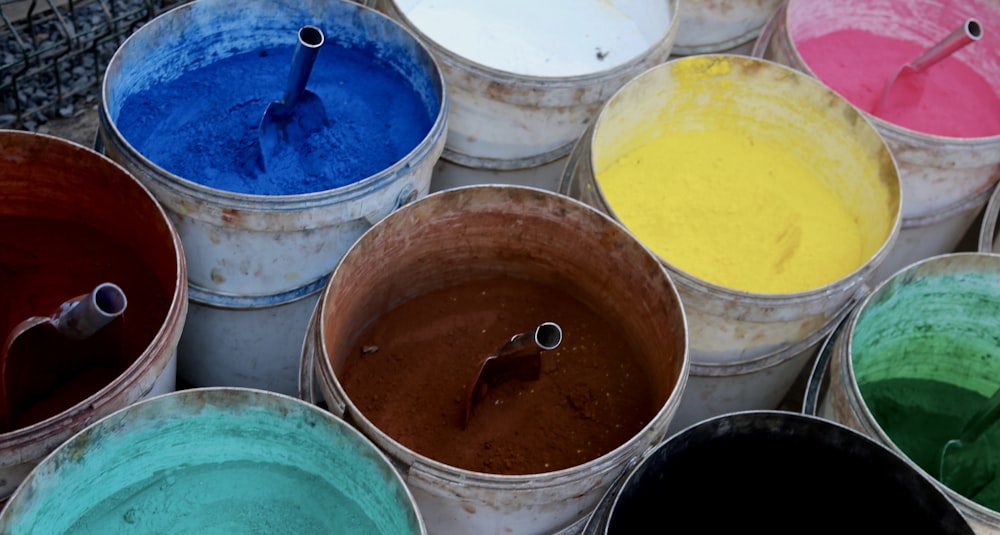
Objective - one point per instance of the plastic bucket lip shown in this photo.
(230, 398)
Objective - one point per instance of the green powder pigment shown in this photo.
(926, 356)
(921, 415)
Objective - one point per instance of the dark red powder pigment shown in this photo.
(409, 372)
(45, 262)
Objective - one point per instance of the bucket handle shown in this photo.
(405, 196)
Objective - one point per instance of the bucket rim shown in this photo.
(430, 146)
(606, 463)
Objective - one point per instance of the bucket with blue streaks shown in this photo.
(182, 100)
(216, 460)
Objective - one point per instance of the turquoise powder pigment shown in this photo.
(215, 461)
(203, 124)
(926, 356)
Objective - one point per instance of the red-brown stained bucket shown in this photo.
(70, 218)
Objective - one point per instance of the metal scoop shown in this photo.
(904, 89)
(301, 112)
(75, 319)
(961, 466)
(519, 358)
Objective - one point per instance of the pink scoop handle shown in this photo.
(970, 31)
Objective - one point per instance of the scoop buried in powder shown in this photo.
(290, 121)
(26, 353)
(518, 359)
(906, 87)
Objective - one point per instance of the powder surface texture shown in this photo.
(956, 101)
(409, 373)
(734, 211)
(230, 497)
(203, 125)
(551, 38)
(921, 415)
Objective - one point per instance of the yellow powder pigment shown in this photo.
(734, 210)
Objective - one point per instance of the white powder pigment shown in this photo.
(549, 38)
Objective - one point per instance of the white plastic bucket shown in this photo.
(456, 235)
(220, 460)
(262, 245)
(948, 298)
(747, 348)
(946, 180)
(54, 181)
(721, 27)
(505, 126)
(251, 342)
(252, 258)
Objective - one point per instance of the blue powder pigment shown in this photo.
(203, 125)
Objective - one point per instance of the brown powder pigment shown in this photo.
(408, 374)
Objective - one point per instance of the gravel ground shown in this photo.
(81, 129)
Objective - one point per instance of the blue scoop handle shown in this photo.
(310, 40)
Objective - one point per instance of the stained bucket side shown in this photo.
(246, 342)
(728, 27)
(265, 244)
(453, 235)
(49, 179)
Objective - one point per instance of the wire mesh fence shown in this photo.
(53, 53)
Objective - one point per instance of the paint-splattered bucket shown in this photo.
(932, 324)
(776, 472)
(514, 124)
(946, 180)
(485, 231)
(747, 348)
(211, 461)
(721, 27)
(247, 252)
(72, 219)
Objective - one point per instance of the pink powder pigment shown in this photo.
(957, 101)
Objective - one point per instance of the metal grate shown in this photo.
(53, 53)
